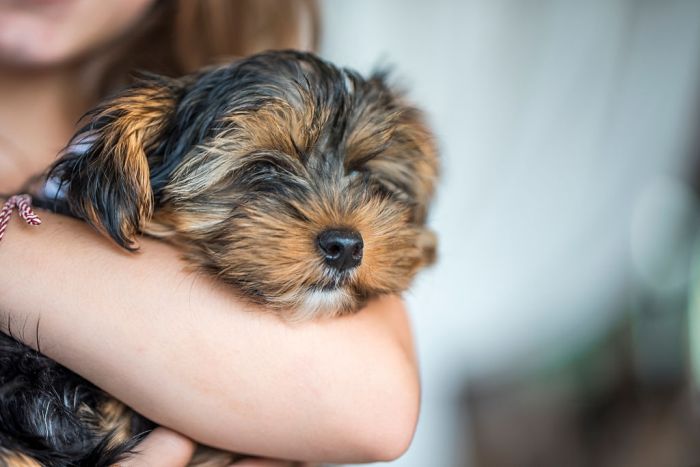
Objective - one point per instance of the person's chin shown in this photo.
(29, 42)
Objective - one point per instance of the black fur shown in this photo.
(41, 416)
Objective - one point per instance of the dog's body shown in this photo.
(304, 186)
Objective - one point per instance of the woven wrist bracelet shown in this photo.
(23, 203)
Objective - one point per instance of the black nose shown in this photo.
(342, 249)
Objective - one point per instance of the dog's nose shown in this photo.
(342, 249)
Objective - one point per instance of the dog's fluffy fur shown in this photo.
(244, 167)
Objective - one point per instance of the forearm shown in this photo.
(181, 349)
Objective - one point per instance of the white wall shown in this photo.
(555, 119)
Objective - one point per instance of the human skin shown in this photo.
(184, 351)
(174, 344)
(162, 448)
(45, 33)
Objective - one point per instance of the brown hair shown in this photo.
(180, 36)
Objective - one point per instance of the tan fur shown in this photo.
(115, 417)
(248, 194)
(208, 457)
(14, 459)
(394, 248)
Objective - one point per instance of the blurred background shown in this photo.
(561, 325)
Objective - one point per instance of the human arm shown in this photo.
(181, 349)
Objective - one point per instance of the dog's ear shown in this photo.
(104, 172)
(416, 142)
(392, 140)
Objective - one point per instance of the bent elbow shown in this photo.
(394, 441)
(387, 433)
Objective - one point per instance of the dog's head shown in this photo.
(302, 184)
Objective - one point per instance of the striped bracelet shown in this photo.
(23, 203)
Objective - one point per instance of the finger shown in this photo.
(262, 462)
(161, 448)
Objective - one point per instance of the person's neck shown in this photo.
(37, 117)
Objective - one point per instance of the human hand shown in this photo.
(166, 448)
(265, 462)
(161, 448)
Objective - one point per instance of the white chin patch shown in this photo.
(323, 303)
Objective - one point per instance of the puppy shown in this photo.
(302, 185)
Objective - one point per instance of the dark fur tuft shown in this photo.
(51, 415)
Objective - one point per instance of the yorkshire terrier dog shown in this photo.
(303, 185)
